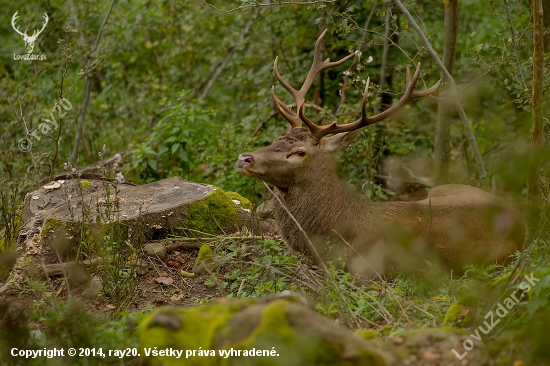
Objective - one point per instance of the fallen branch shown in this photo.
(59, 269)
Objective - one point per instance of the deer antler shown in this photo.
(13, 20)
(320, 131)
(299, 95)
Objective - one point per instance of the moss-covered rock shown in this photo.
(279, 332)
(461, 311)
(239, 200)
(429, 347)
(205, 261)
(206, 254)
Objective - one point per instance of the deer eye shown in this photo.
(300, 153)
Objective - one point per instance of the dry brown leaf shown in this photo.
(167, 281)
(176, 297)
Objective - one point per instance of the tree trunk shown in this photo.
(442, 128)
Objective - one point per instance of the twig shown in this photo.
(104, 162)
(453, 87)
(276, 271)
(377, 274)
(385, 50)
(514, 44)
(255, 5)
(355, 61)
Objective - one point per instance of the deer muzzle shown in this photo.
(244, 161)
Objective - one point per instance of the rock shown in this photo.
(431, 347)
(155, 250)
(205, 262)
(461, 312)
(142, 267)
(287, 332)
(94, 288)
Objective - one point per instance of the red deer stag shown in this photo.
(460, 224)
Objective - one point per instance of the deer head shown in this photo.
(290, 158)
(29, 40)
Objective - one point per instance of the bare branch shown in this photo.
(453, 94)
(514, 44)
(257, 5)
(87, 88)
(218, 71)
(354, 63)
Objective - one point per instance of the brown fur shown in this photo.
(458, 224)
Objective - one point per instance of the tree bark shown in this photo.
(536, 98)
(442, 127)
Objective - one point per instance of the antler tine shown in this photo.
(284, 111)
(429, 91)
(299, 95)
(319, 132)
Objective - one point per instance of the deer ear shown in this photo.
(340, 141)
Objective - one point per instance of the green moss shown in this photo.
(501, 279)
(212, 327)
(187, 329)
(99, 234)
(461, 312)
(215, 213)
(366, 334)
(85, 184)
(273, 329)
(244, 203)
(206, 254)
(50, 225)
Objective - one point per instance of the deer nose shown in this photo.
(244, 160)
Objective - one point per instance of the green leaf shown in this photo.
(152, 163)
(183, 156)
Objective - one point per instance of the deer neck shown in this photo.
(319, 205)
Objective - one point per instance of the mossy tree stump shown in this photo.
(77, 215)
